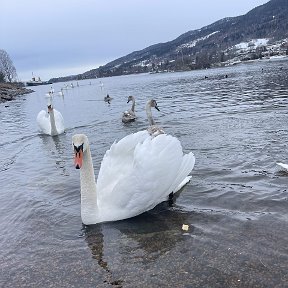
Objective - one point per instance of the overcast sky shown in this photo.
(65, 37)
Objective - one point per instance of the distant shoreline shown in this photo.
(9, 91)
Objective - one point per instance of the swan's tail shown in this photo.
(186, 167)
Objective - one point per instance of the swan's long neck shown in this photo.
(133, 105)
(52, 122)
(89, 208)
(149, 114)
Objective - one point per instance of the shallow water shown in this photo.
(235, 205)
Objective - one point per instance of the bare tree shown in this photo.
(6, 67)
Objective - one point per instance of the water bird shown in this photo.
(51, 89)
(129, 116)
(50, 122)
(136, 174)
(101, 85)
(282, 165)
(153, 129)
(61, 92)
(107, 98)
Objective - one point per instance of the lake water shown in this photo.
(235, 205)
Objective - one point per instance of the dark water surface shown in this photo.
(236, 204)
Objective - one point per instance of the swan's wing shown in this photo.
(59, 121)
(118, 160)
(128, 115)
(282, 165)
(187, 165)
(131, 113)
(151, 174)
(158, 169)
(43, 121)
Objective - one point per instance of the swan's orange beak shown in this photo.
(78, 157)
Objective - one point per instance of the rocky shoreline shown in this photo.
(9, 91)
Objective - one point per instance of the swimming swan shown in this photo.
(51, 122)
(136, 174)
(153, 129)
(129, 116)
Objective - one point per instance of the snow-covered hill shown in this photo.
(261, 33)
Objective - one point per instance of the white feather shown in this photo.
(282, 165)
(136, 174)
(44, 122)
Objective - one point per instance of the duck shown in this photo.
(129, 116)
(50, 122)
(107, 98)
(136, 173)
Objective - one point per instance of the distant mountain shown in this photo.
(262, 32)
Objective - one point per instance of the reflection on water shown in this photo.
(55, 149)
(142, 239)
(235, 205)
(217, 249)
(95, 241)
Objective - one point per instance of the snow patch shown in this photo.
(194, 42)
(252, 43)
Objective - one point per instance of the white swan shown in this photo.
(282, 165)
(101, 85)
(129, 116)
(51, 122)
(136, 174)
(51, 90)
